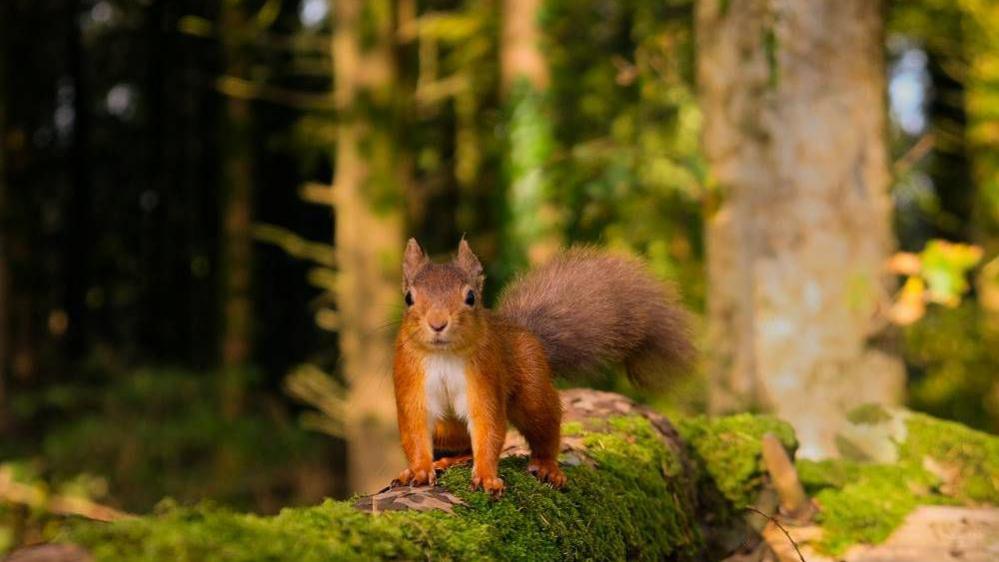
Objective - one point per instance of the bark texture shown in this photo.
(367, 188)
(793, 95)
(981, 47)
(4, 298)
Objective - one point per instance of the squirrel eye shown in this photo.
(409, 298)
(470, 298)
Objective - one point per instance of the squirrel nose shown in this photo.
(438, 327)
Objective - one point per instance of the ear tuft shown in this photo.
(412, 262)
(470, 264)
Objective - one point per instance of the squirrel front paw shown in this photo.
(416, 476)
(488, 483)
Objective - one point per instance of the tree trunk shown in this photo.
(793, 95)
(237, 204)
(4, 298)
(533, 233)
(368, 187)
(981, 47)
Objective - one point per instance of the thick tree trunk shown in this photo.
(533, 233)
(367, 191)
(793, 96)
(237, 205)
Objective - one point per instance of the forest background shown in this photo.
(203, 207)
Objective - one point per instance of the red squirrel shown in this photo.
(462, 371)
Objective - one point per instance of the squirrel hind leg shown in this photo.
(447, 460)
(539, 421)
(451, 438)
(452, 445)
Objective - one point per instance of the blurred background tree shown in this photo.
(371, 169)
(203, 204)
(798, 243)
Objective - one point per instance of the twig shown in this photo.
(912, 156)
(240, 88)
(781, 527)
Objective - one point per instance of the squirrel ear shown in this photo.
(468, 262)
(412, 262)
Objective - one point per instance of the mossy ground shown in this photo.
(939, 462)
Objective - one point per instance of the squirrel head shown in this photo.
(443, 300)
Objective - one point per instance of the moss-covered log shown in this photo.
(639, 488)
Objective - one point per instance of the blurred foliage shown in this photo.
(626, 118)
(954, 373)
(310, 385)
(154, 434)
(945, 177)
(149, 435)
(938, 274)
(33, 510)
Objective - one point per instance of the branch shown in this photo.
(35, 498)
(240, 88)
(296, 246)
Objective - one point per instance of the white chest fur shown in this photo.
(446, 386)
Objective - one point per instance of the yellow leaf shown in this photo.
(910, 304)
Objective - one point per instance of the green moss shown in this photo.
(869, 414)
(632, 505)
(770, 52)
(730, 451)
(861, 503)
(937, 462)
(571, 429)
(967, 460)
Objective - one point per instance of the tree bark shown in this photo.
(793, 95)
(533, 227)
(237, 210)
(4, 298)
(981, 47)
(368, 187)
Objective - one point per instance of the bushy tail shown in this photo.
(590, 308)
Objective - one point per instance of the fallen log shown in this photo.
(639, 488)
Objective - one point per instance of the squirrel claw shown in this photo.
(493, 485)
(418, 477)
